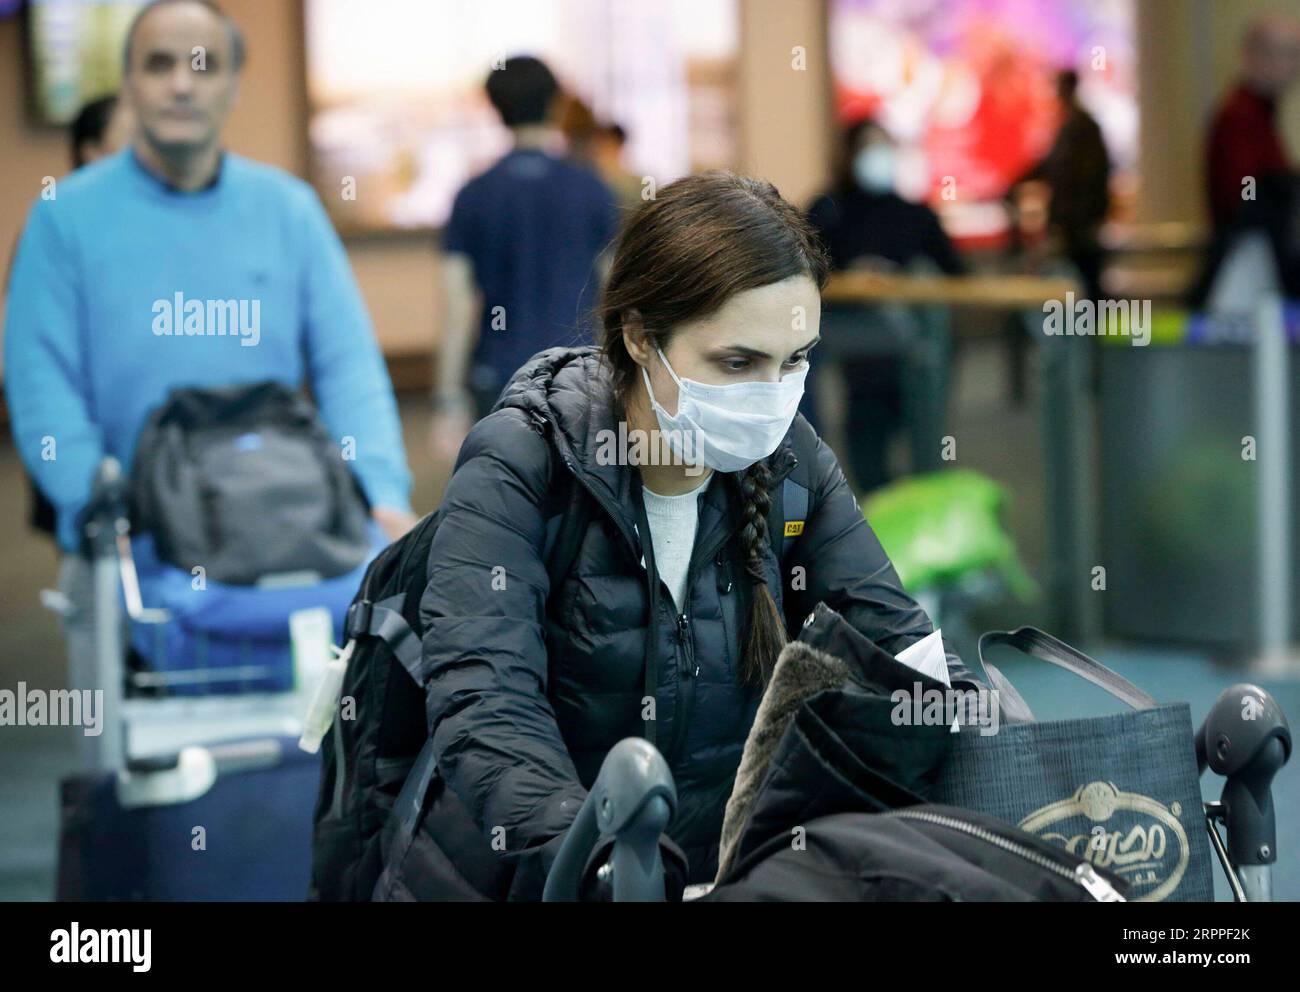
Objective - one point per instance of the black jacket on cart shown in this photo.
(830, 799)
(528, 688)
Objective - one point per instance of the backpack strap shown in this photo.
(384, 620)
(795, 504)
(406, 811)
(792, 505)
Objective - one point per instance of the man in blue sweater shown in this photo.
(171, 264)
(174, 263)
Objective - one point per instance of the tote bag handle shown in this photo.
(1042, 645)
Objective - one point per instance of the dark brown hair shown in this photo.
(680, 257)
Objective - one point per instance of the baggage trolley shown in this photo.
(196, 796)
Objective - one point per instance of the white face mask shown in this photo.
(734, 426)
(874, 166)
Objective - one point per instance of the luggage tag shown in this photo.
(325, 700)
(311, 633)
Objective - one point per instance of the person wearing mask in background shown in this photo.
(519, 255)
(101, 127)
(1244, 142)
(1076, 170)
(176, 216)
(864, 223)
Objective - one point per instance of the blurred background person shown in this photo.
(520, 252)
(1076, 170)
(172, 215)
(1244, 140)
(600, 147)
(865, 224)
(611, 140)
(102, 127)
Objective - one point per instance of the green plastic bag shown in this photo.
(942, 527)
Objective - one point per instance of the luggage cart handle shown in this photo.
(201, 676)
(632, 799)
(108, 535)
(1246, 739)
(135, 607)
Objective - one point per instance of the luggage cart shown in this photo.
(166, 765)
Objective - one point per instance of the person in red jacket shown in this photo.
(1243, 140)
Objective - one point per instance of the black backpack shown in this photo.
(246, 482)
(366, 760)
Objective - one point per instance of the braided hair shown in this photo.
(766, 635)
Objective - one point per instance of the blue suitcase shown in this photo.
(140, 836)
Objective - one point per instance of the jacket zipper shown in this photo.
(687, 667)
(686, 663)
(1084, 875)
(687, 670)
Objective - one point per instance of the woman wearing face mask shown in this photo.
(864, 223)
(670, 619)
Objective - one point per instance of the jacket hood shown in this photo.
(571, 389)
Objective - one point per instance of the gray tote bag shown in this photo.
(1121, 790)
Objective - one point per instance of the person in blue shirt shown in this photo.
(520, 255)
(113, 255)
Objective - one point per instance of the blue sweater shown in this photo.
(124, 288)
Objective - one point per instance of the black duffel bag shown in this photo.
(245, 482)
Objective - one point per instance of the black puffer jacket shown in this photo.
(528, 687)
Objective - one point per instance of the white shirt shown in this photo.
(673, 521)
